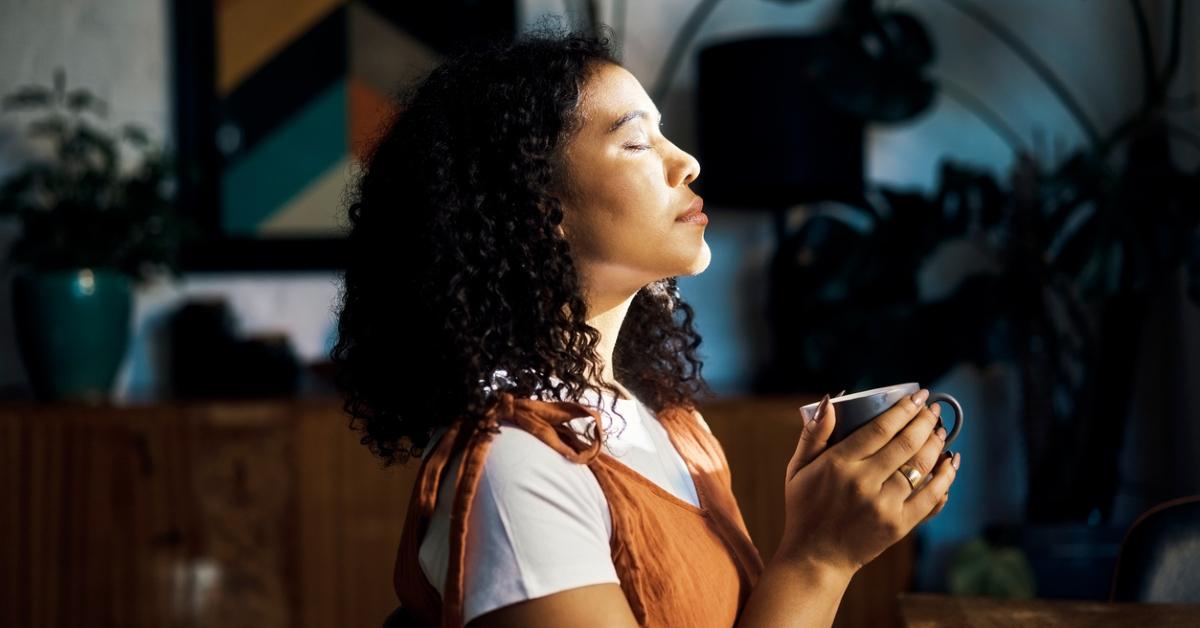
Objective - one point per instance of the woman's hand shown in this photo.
(847, 503)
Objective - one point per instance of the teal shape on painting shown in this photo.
(271, 173)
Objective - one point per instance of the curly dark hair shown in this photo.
(457, 268)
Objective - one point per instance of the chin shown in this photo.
(700, 262)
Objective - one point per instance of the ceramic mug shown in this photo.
(857, 409)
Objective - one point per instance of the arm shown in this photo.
(788, 594)
(791, 593)
(592, 605)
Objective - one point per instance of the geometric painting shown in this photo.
(279, 102)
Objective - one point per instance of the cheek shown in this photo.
(627, 216)
(621, 220)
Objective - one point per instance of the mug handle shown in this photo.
(958, 414)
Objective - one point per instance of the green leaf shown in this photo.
(77, 208)
(28, 97)
(136, 135)
(81, 100)
(54, 127)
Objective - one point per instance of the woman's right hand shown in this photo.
(847, 503)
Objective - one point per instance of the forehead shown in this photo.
(611, 92)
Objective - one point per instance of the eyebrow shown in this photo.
(636, 113)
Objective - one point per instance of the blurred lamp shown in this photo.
(767, 135)
(780, 119)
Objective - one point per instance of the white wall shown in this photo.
(119, 48)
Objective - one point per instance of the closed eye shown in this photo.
(638, 147)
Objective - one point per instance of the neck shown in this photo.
(606, 314)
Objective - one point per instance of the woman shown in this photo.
(510, 314)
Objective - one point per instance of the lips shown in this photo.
(697, 207)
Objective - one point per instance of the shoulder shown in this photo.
(539, 524)
(520, 463)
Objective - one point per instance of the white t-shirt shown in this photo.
(540, 523)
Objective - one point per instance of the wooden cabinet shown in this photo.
(268, 513)
(212, 514)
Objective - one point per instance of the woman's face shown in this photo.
(628, 185)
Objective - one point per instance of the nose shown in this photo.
(683, 169)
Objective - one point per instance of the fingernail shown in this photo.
(941, 432)
(957, 461)
(819, 413)
(920, 396)
(936, 409)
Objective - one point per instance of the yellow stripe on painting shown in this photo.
(316, 211)
(250, 32)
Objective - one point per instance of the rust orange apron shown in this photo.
(679, 565)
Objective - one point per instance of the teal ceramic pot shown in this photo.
(72, 330)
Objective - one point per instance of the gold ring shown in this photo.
(910, 473)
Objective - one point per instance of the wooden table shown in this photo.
(936, 611)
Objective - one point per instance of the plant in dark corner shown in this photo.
(1082, 247)
(91, 229)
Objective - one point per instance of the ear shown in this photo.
(559, 229)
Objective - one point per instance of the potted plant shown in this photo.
(91, 230)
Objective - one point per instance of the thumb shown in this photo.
(814, 437)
